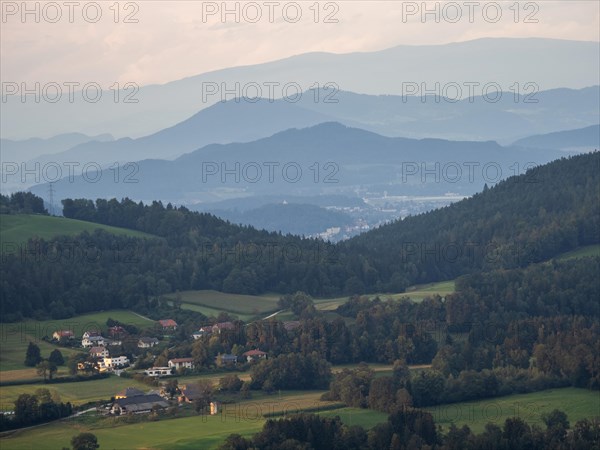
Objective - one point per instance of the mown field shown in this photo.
(576, 403)
(18, 229)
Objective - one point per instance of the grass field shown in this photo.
(76, 393)
(18, 229)
(14, 337)
(211, 303)
(581, 252)
(205, 432)
(576, 403)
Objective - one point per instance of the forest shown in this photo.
(523, 220)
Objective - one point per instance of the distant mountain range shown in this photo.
(25, 150)
(395, 116)
(500, 62)
(328, 158)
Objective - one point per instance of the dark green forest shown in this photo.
(523, 220)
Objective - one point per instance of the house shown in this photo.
(168, 324)
(92, 341)
(179, 363)
(111, 342)
(117, 331)
(118, 361)
(189, 393)
(128, 392)
(147, 342)
(223, 326)
(203, 331)
(68, 334)
(254, 355)
(99, 352)
(223, 360)
(158, 371)
(91, 333)
(138, 404)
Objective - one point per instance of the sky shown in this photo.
(150, 42)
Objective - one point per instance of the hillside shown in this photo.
(18, 229)
(549, 210)
(581, 139)
(523, 220)
(325, 158)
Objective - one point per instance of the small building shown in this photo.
(128, 392)
(225, 360)
(112, 342)
(92, 341)
(99, 352)
(181, 363)
(203, 331)
(254, 355)
(168, 324)
(68, 334)
(118, 361)
(138, 404)
(159, 371)
(147, 342)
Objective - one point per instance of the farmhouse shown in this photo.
(128, 392)
(159, 371)
(68, 334)
(99, 352)
(138, 404)
(254, 355)
(147, 342)
(179, 363)
(168, 324)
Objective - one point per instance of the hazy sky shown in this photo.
(172, 40)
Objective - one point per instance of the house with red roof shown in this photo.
(254, 355)
(168, 324)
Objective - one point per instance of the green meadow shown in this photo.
(18, 229)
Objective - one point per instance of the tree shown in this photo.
(56, 357)
(231, 383)
(172, 388)
(85, 441)
(47, 369)
(33, 355)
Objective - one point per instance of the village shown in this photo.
(107, 355)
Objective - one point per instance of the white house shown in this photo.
(179, 363)
(92, 341)
(147, 342)
(158, 371)
(119, 361)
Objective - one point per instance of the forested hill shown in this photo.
(521, 220)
